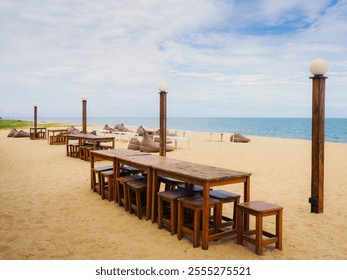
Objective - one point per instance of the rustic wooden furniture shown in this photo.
(259, 209)
(137, 196)
(122, 189)
(106, 185)
(193, 228)
(167, 208)
(227, 197)
(191, 187)
(57, 136)
(96, 184)
(169, 183)
(206, 177)
(94, 143)
(37, 133)
(191, 173)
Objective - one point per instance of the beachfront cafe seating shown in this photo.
(259, 236)
(167, 208)
(191, 224)
(137, 195)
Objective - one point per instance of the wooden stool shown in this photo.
(137, 201)
(95, 184)
(129, 170)
(227, 197)
(195, 204)
(72, 150)
(169, 183)
(122, 189)
(84, 152)
(169, 198)
(259, 209)
(107, 190)
(192, 188)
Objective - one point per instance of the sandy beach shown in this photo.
(48, 211)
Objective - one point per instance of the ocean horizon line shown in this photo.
(277, 127)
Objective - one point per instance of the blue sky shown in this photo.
(219, 58)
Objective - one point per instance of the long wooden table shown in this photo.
(193, 173)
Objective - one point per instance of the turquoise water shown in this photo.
(294, 128)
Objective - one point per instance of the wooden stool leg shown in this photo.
(239, 220)
(173, 217)
(279, 225)
(92, 186)
(110, 188)
(196, 228)
(180, 220)
(234, 213)
(102, 187)
(115, 190)
(138, 205)
(160, 212)
(259, 235)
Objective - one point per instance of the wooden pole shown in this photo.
(84, 116)
(35, 116)
(162, 147)
(317, 160)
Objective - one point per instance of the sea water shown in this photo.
(294, 128)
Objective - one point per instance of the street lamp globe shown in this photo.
(319, 67)
(162, 87)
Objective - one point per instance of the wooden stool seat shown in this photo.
(169, 183)
(191, 187)
(122, 189)
(227, 197)
(107, 190)
(95, 184)
(137, 196)
(170, 218)
(129, 170)
(259, 209)
(195, 204)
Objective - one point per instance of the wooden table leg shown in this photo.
(91, 170)
(247, 198)
(153, 196)
(205, 218)
(149, 201)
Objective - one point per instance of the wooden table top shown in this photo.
(174, 166)
(90, 137)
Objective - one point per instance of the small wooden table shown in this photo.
(59, 139)
(91, 138)
(37, 133)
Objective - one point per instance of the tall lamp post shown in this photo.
(162, 92)
(84, 113)
(35, 115)
(318, 68)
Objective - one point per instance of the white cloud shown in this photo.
(245, 52)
